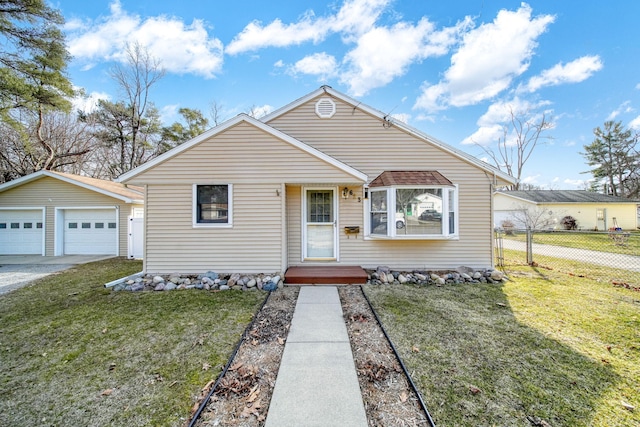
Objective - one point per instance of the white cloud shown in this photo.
(635, 123)
(573, 72)
(485, 135)
(254, 36)
(180, 48)
(625, 107)
(169, 113)
(353, 18)
(384, 53)
(260, 111)
(402, 117)
(320, 64)
(380, 53)
(488, 60)
(531, 179)
(426, 118)
(491, 124)
(87, 103)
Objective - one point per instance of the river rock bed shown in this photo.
(209, 281)
(212, 281)
(387, 276)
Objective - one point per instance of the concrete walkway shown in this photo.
(317, 384)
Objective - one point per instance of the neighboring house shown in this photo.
(325, 180)
(592, 210)
(52, 213)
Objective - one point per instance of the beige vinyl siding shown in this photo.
(361, 141)
(51, 193)
(257, 165)
(243, 154)
(254, 244)
(586, 214)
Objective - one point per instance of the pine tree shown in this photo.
(615, 160)
(33, 83)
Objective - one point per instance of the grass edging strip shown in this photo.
(205, 401)
(404, 368)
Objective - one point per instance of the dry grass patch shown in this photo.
(543, 348)
(74, 353)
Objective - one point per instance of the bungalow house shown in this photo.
(593, 211)
(52, 213)
(323, 181)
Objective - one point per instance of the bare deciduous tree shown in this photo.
(536, 218)
(130, 129)
(519, 139)
(66, 140)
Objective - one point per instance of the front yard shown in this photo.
(73, 353)
(545, 346)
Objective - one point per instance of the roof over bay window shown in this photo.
(420, 178)
(412, 205)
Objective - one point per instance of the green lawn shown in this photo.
(545, 345)
(598, 241)
(73, 353)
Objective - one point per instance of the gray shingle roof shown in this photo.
(567, 196)
(389, 178)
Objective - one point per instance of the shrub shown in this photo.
(508, 227)
(569, 223)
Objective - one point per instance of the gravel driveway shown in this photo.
(19, 270)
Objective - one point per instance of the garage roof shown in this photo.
(128, 194)
(566, 196)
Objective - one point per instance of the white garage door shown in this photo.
(21, 232)
(90, 232)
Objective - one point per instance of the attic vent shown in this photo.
(325, 108)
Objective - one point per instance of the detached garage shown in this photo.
(52, 214)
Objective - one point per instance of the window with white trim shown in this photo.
(212, 205)
(413, 212)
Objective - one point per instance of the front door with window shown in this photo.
(320, 236)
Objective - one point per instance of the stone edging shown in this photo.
(385, 275)
(209, 281)
(212, 281)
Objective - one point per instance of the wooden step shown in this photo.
(326, 275)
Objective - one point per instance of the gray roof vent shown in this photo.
(325, 108)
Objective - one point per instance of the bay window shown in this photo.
(413, 212)
(413, 205)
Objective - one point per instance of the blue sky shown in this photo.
(451, 69)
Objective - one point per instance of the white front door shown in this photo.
(320, 231)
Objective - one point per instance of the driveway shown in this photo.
(19, 270)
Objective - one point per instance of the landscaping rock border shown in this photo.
(386, 276)
(209, 281)
(212, 281)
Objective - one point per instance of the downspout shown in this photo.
(492, 187)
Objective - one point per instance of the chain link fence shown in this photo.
(612, 256)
